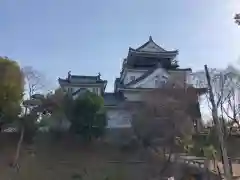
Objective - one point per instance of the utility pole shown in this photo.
(216, 121)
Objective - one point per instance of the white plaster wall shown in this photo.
(149, 82)
(189, 78)
(137, 74)
(99, 91)
(118, 118)
(133, 95)
(74, 89)
(91, 89)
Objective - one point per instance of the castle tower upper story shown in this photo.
(150, 66)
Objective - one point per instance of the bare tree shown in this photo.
(34, 80)
(163, 119)
(226, 88)
(226, 163)
(199, 80)
(22, 126)
(223, 86)
(231, 108)
(237, 18)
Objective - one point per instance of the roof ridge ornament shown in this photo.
(69, 76)
(99, 76)
(150, 38)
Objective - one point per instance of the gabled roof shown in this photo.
(151, 47)
(150, 44)
(78, 79)
(152, 53)
(113, 99)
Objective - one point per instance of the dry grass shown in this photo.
(62, 160)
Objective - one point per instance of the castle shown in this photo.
(147, 67)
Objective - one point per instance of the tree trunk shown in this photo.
(218, 128)
(166, 163)
(219, 173)
(1, 126)
(1, 121)
(15, 162)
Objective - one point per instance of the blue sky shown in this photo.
(87, 37)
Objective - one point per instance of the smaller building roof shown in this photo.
(119, 101)
(80, 77)
(113, 99)
(80, 80)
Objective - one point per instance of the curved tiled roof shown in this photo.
(86, 81)
(150, 41)
(153, 46)
(78, 79)
(147, 53)
(113, 99)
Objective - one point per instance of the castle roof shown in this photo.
(79, 79)
(151, 48)
(149, 54)
(113, 99)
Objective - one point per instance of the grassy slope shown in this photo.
(60, 161)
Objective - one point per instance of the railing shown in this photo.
(203, 163)
(190, 160)
(195, 163)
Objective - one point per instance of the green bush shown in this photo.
(88, 116)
